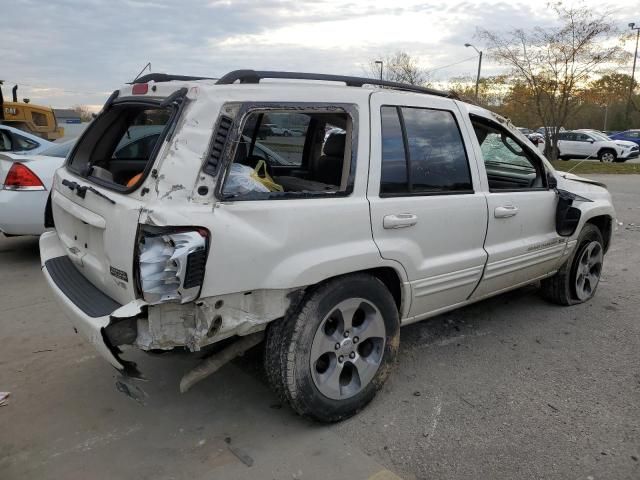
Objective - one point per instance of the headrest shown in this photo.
(334, 146)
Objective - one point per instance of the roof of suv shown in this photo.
(253, 77)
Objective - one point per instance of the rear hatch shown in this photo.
(96, 199)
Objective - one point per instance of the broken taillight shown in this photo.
(20, 177)
(171, 263)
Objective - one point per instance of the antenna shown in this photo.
(148, 65)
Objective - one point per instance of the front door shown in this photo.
(427, 209)
(522, 241)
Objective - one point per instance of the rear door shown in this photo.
(427, 209)
(95, 202)
(522, 241)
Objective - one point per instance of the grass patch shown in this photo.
(591, 166)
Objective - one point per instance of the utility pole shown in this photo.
(379, 62)
(479, 66)
(633, 71)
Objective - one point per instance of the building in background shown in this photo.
(66, 115)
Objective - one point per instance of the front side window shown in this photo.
(508, 163)
(422, 153)
(291, 153)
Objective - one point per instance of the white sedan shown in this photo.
(13, 140)
(25, 180)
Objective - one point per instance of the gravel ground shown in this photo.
(511, 387)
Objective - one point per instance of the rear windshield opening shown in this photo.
(119, 148)
(291, 153)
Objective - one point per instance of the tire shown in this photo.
(607, 155)
(286, 134)
(564, 287)
(306, 368)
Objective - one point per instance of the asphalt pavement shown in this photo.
(511, 387)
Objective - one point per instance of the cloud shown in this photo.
(71, 52)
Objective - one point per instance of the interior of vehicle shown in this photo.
(120, 145)
(293, 152)
(508, 163)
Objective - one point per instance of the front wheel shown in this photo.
(578, 278)
(330, 357)
(607, 156)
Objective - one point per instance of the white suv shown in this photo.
(594, 144)
(211, 239)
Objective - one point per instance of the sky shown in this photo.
(69, 52)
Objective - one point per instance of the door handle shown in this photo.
(401, 220)
(506, 211)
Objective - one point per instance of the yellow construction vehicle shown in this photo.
(35, 119)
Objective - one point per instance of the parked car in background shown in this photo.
(13, 140)
(630, 149)
(385, 223)
(543, 130)
(593, 144)
(25, 184)
(26, 179)
(534, 137)
(628, 135)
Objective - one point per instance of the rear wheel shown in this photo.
(578, 278)
(335, 352)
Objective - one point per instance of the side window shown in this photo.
(23, 143)
(581, 137)
(422, 153)
(509, 164)
(292, 152)
(5, 142)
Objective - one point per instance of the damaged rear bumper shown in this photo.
(85, 305)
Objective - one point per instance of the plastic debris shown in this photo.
(4, 398)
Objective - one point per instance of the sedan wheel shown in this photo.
(607, 157)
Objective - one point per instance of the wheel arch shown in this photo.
(604, 223)
(607, 149)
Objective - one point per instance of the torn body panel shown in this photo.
(196, 325)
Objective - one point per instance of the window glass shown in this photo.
(437, 159)
(582, 137)
(59, 149)
(5, 142)
(394, 163)
(23, 143)
(437, 156)
(509, 165)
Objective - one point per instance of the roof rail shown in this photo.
(254, 76)
(167, 77)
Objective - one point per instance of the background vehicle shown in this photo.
(35, 119)
(536, 138)
(379, 224)
(593, 144)
(13, 140)
(629, 135)
(26, 179)
(26, 183)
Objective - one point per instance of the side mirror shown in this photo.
(552, 182)
(591, 140)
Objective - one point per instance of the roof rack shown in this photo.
(254, 76)
(167, 77)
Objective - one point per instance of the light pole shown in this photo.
(479, 66)
(379, 62)
(632, 26)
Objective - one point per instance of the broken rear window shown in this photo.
(120, 146)
(292, 153)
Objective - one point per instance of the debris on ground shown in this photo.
(240, 453)
(126, 386)
(4, 398)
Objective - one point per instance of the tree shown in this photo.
(398, 67)
(555, 63)
(86, 115)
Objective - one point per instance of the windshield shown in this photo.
(599, 136)
(60, 150)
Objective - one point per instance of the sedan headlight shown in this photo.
(171, 263)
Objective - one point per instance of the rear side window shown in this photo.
(120, 146)
(422, 153)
